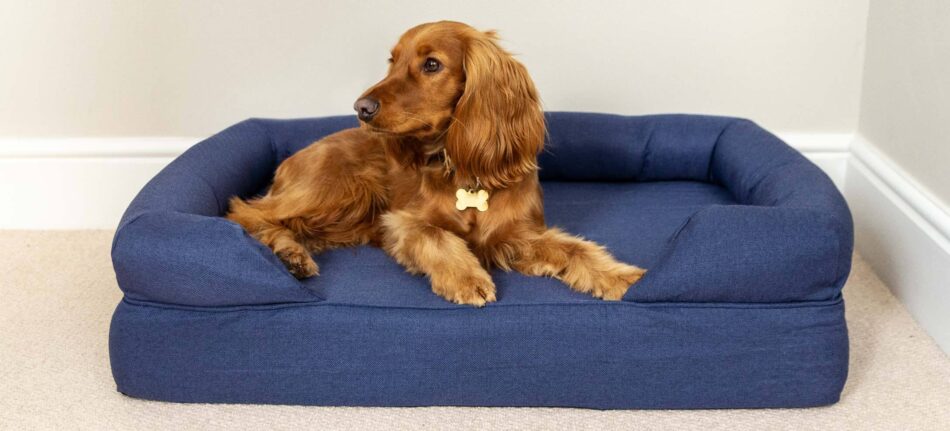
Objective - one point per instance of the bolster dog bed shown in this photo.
(747, 243)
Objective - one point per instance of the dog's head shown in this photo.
(448, 81)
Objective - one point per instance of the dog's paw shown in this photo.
(475, 288)
(299, 263)
(612, 285)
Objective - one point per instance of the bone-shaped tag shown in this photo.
(471, 199)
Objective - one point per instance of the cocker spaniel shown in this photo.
(442, 174)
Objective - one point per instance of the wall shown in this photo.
(898, 180)
(905, 107)
(189, 68)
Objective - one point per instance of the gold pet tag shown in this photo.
(471, 199)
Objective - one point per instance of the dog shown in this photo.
(442, 174)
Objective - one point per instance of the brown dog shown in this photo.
(457, 120)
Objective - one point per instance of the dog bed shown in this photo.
(747, 244)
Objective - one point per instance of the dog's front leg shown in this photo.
(584, 265)
(453, 269)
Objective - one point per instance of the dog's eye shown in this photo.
(390, 61)
(431, 65)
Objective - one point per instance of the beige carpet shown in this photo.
(57, 293)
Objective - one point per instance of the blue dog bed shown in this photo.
(747, 244)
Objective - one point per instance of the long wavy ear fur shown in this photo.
(499, 125)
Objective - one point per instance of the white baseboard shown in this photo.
(827, 150)
(77, 183)
(904, 234)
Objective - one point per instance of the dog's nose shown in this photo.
(366, 108)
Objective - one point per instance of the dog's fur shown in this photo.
(475, 122)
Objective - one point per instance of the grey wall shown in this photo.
(905, 108)
(189, 68)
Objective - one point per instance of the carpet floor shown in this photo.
(58, 291)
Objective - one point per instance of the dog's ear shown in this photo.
(499, 125)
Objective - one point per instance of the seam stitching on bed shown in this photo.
(712, 154)
(701, 305)
(118, 231)
(647, 152)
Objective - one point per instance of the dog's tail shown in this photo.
(247, 214)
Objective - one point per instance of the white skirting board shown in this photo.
(86, 183)
(77, 183)
(904, 234)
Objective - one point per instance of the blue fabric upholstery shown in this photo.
(747, 245)
(595, 355)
